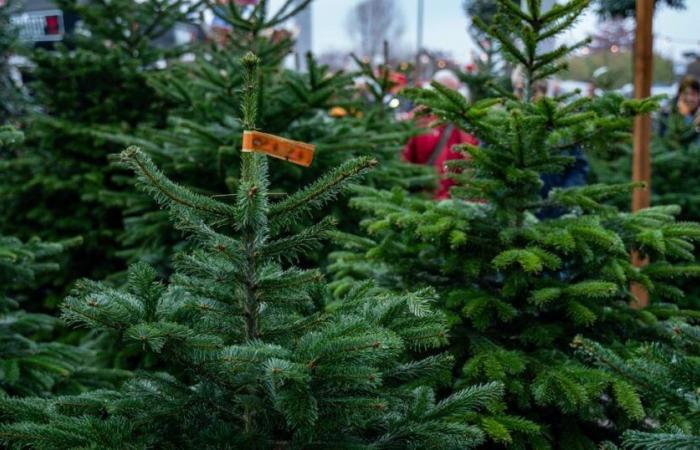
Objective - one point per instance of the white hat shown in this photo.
(448, 78)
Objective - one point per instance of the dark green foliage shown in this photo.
(674, 131)
(253, 352)
(666, 374)
(30, 363)
(517, 289)
(58, 184)
(27, 367)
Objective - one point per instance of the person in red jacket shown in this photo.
(436, 147)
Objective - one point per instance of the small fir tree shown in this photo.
(199, 147)
(251, 354)
(674, 155)
(518, 289)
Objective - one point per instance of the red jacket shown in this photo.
(419, 149)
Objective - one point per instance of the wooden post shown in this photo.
(641, 163)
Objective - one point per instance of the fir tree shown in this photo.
(519, 289)
(251, 354)
(57, 185)
(674, 155)
(199, 147)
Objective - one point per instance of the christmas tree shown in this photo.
(32, 362)
(57, 185)
(199, 147)
(251, 353)
(519, 289)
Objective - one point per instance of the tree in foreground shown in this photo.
(519, 289)
(252, 354)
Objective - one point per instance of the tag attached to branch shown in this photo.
(296, 152)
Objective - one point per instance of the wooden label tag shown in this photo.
(296, 152)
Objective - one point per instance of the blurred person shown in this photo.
(591, 89)
(681, 123)
(448, 78)
(688, 99)
(576, 174)
(435, 148)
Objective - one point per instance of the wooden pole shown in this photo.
(641, 163)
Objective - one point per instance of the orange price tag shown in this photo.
(295, 152)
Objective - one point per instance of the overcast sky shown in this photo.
(445, 27)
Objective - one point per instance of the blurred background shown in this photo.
(423, 37)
